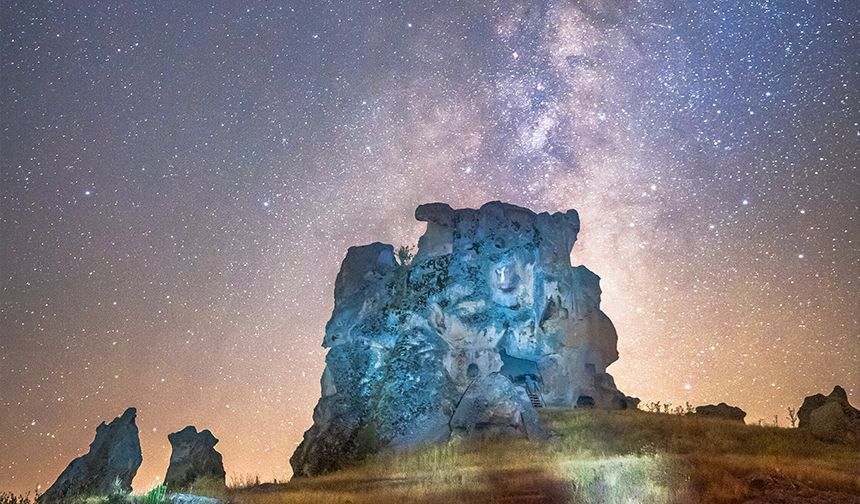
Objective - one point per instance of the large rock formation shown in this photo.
(108, 467)
(831, 417)
(193, 457)
(488, 322)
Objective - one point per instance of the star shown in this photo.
(228, 158)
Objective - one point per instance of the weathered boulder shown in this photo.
(108, 467)
(487, 322)
(831, 417)
(193, 457)
(632, 402)
(830, 423)
(492, 407)
(810, 404)
(722, 411)
(180, 498)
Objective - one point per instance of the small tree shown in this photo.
(792, 416)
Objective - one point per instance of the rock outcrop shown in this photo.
(722, 411)
(632, 402)
(108, 467)
(831, 417)
(493, 406)
(193, 457)
(487, 322)
(192, 499)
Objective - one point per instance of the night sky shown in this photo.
(180, 182)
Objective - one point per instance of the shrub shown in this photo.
(11, 498)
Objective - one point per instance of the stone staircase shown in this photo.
(534, 398)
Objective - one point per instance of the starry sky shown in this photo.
(180, 182)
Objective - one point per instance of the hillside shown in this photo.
(598, 456)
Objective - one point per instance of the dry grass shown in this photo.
(715, 460)
(595, 457)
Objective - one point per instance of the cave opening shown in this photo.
(524, 373)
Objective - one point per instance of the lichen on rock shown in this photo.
(487, 322)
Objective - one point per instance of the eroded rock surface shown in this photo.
(192, 499)
(493, 406)
(489, 321)
(830, 417)
(193, 457)
(723, 411)
(108, 467)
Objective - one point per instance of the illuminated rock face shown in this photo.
(489, 308)
(193, 457)
(108, 468)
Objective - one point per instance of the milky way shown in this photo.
(179, 184)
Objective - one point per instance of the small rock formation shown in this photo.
(193, 457)
(831, 417)
(487, 322)
(108, 467)
(723, 411)
(192, 499)
(632, 402)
